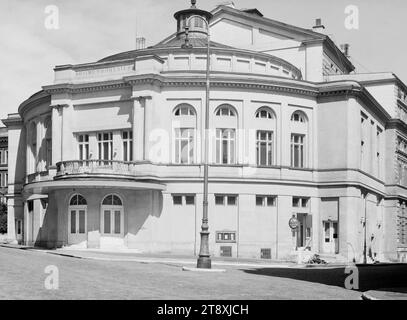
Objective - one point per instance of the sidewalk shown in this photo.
(188, 260)
(386, 294)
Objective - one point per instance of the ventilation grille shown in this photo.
(225, 251)
(265, 253)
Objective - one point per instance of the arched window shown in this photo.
(184, 134)
(298, 116)
(77, 219)
(112, 200)
(112, 221)
(264, 113)
(184, 110)
(48, 141)
(299, 138)
(265, 137)
(225, 110)
(78, 200)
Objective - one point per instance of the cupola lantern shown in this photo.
(197, 27)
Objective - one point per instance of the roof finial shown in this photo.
(193, 3)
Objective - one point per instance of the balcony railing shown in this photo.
(102, 167)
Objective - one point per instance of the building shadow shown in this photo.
(371, 277)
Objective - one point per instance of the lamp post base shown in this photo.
(204, 262)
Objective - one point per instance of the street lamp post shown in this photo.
(204, 260)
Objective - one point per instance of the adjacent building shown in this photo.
(110, 154)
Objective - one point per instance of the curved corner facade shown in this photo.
(110, 154)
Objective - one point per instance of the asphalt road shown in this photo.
(23, 276)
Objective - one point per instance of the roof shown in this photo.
(196, 42)
(303, 34)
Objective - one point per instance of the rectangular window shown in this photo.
(265, 201)
(300, 202)
(219, 200)
(117, 221)
(264, 148)
(189, 200)
(230, 200)
(81, 221)
(105, 145)
(106, 217)
(127, 138)
(3, 156)
(226, 236)
(177, 200)
(83, 144)
(73, 221)
(225, 146)
(297, 151)
(184, 145)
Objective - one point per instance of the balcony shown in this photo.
(97, 168)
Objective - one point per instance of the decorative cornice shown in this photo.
(13, 120)
(85, 87)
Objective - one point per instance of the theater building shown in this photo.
(109, 156)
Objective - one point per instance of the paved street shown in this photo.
(22, 276)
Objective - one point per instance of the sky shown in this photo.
(92, 29)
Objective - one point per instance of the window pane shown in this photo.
(263, 154)
(190, 200)
(117, 201)
(231, 200)
(224, 152)
(304, 202)
(296, 202)
(259, 201)
(108, 201)
(125, 155)
(73, 221)
(117, 220)
(81, 221)
(177, 200)
(219, 200)
(184, 151)
(270, 201)
(106, 221)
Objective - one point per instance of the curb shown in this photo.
(367, 296)
(203, 270)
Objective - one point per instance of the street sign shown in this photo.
(293, 223)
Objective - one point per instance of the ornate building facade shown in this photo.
(110, 154)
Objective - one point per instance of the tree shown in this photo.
(3, 218)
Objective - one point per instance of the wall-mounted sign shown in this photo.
(293, 223)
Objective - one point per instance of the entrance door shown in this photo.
(77, 226)
(304, 230)
(112, 222)
(77, 221)
(330, 237)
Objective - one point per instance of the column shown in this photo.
(26, 228)
(11, 229)
(29, 158)
(148, 121)
(39, 151)
(56, 135)
(138, 129)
